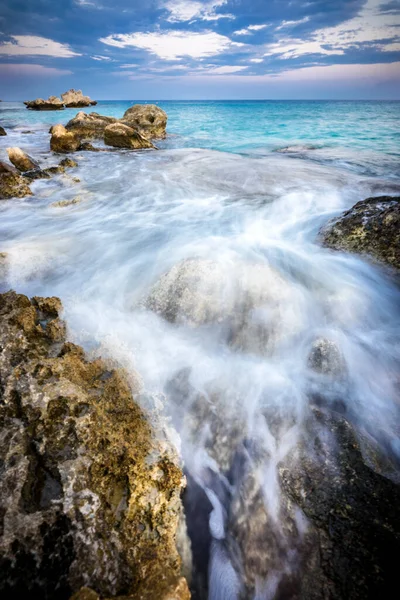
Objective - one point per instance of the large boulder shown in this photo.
(22, 161)
(63, 141)
(149, 119)
(75, 99)
(12, 184)
(371, 227)
(52, 103)
(89, 496)
(122, 136)
(2, 131)
(90, 125)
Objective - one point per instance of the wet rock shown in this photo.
(64, 203)
(122, 136)
(3, 266)
(52, 103)
(62, 141)
(371, 227)
(88, 496)
(7, 168)
(90, 125)
(68, 163)
(2, 131)
(325, 358)
(75, 99)
(88, 147)
(22, 161)
(13, 185)
(149, 119)
(38, 174)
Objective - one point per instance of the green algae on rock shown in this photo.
(88, 496)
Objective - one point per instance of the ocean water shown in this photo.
(242, 189)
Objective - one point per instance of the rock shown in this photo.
(371, 227)
(8, 169)
(3, 266)
(53, 103)
(149, 119)
(90, 125)
(2, 131)
(88, 147)
(122, 136)
(89, 496)
(325, 358)
(68, 163)
(22, 161)
(38, 174)
(63, 203)
(13, 186)
(62, 141)
(75, 99)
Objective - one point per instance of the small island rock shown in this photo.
(52, 103)
(75, 99)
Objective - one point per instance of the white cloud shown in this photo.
(241, 32)
(128, 66)
(256, 60)
(32, 45)
(189, 10)
(226, 69)
(257, 27)
(29, 70)
(292, 23)
(103, 58)
(368, 26)
(249, 30)
(173, 45)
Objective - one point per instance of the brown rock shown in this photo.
(6, 168)
(2, 131)
(13, 186)
(68, 163)
(122, 136)
(90, 125)
(62, 140)
(52, 103)
(75, 99)
(149, 119)
(22, 161)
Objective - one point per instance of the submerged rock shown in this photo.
(372, 227)
(90, 125)
(52, 103)
(149, 119)
(325, 358)
(64, 203)
(2, 131)
(122, 136)
(22, 161)
(68, 163)
(75, 99)
(62, 141)
(88, 496)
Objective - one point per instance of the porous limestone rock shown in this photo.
(149, 119)
(371, 227)
(91, 125)
(52, 103)
(22, 161)
(88, 495)
(122, 136)
(75, 99)
(62, 141)
(12, 184)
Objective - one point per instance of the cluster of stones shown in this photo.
(71, 99)
(139, 125)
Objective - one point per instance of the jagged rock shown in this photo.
(68, 163)
(149, 119)
(75, 99)
(90, 125)
(62, 141)
(325, 358)
(12, 184)
(38, 174)
(122, 136)
(2, 131)
(372, 227)
(88, 495)
(22, 161)
(52, 103)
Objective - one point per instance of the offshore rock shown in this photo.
(371, 227)
(90, 125)
(75, 99)
(149, 119)
(88, 496)
(52, 103)
(22, 161)
(62, 141)
(2, 131)
(122, 136)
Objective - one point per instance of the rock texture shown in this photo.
(75, 99)
(22, 161)
(122, 136)
(12, 184)
(2, 131)
(88, 497)
(90, 125)
(63, 141)
(371, 227)
(149, 119)
(52, 103)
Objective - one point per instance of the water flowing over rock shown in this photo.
(371, 227)
(2, 131)
(88, 496)
(75, 99)
(52, 103)
(12, 184)
(149, 119)
(62, 141)
(22, 161)
(90, 125)
(325, 358)
(122, 136)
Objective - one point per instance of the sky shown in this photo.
(200, 49)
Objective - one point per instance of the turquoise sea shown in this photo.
(240, 189)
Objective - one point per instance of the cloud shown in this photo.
(32, 45)
(257, 27)
(128, 66)
(250, 29)
(256, 60)
(292, 23)
(189, 10)
(173, 45)
(226, 70)
(102, 58)
(29, 70)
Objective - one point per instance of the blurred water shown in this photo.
(218, 190)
